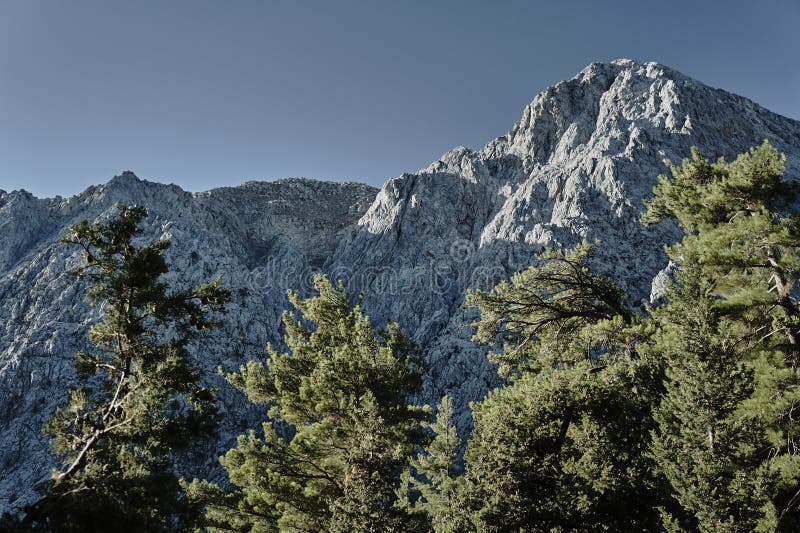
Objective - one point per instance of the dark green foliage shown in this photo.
(140, 398)
(564, 449)
(226, 511)
(702, 194)
(713, 452)
(344, 391)
(742, 234)
(436, 486)
(554, 314)
(730, 338)
(563, 445)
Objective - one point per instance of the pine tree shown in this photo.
(435, 486)
(564, 449)
(140, 398)
(712, 451)
(742, 245)
(562, 446)
(555, 313)
(743, 233)
(343, 392)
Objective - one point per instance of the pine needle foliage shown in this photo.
(140, 397)
(343, 389)
(433, 486)
(554, 314)
(713, 451)
(727, 434)
(563, 445)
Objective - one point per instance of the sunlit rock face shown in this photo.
(577, 166)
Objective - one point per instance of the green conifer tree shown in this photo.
(434, 489)
(712, 451)
(344, 392)
(554, 314)
(563, 445)
(140, 398)
(742, 247)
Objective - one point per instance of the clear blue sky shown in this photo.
(212, 93)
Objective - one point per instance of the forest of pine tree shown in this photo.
(612, 416)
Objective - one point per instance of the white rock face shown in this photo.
(261, 237)
(578, 165)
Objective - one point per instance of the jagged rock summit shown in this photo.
(577, 166)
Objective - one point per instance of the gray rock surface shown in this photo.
(261, 237)
(577, 166)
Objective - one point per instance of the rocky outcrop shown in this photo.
(260, 237)
(577, 166)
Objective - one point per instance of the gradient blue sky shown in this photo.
(212, 93)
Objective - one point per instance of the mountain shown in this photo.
(577, 166)
(261, 237)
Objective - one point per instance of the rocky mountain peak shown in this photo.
(577, 165)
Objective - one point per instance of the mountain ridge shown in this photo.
(577, 165)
